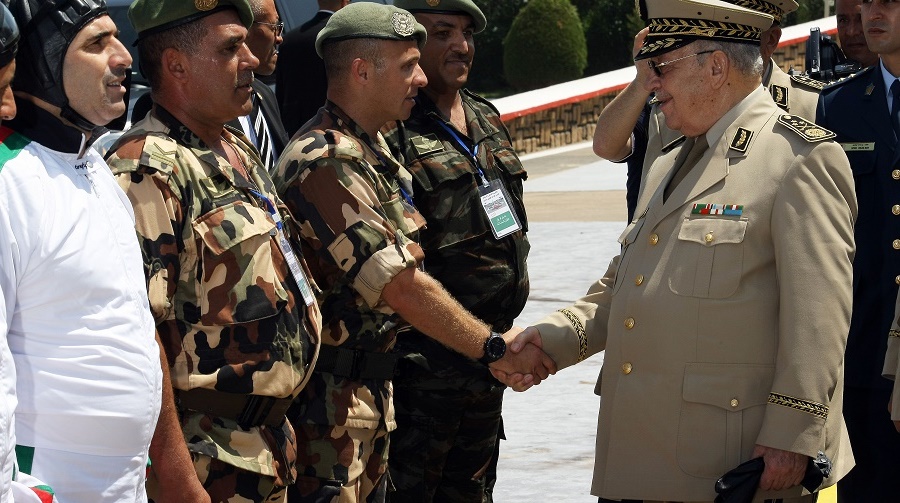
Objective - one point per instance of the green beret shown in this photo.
(677, 23)
(446, 7)
(155, 16)
(370, 20)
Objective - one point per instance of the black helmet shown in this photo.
(48, 27)
(9, 36)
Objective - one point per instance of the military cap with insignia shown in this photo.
(775, 8)
(155, 16)
(371, 20)
(677, 23)
(446, 7)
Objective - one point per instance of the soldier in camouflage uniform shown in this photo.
(231, 298)
(447, 406)
(357, 218)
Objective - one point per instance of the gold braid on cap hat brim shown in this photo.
(761, 6)
(703, 28)
(680, 31)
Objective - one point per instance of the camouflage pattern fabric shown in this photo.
(227, 309)
(227, 483)
(448, 406)
(358, 232)
(359, 454)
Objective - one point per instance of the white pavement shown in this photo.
(549, 454)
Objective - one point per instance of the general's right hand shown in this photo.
(643, 69)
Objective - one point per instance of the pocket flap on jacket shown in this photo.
(224, 227)
(712, 231)
(728, 386)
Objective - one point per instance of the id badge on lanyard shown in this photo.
(495, 202)
(288, 252)
(494, 197)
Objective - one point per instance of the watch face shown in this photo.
(496, 347)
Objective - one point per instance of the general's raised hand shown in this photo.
(525, 363)
(643, 69)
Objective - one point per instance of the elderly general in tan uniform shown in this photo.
(724, 319)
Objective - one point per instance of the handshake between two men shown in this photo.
(525, 363)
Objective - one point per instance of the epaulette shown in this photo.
(809, 131)
(159, 152)
(480, 99)
(138, 147)
(848, 79)
(808, 81)
(672, 144)
(328, 143)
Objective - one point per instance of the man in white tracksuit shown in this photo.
(73, 303)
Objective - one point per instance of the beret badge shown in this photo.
(404, 23)
(205, 5)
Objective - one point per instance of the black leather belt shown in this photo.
(247, 410)
(356, 364)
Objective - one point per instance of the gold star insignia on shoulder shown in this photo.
(809, 131)
(808, 81)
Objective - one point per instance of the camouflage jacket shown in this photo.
(488, 276)
(358, 230)
(227, 309)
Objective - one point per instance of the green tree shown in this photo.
(545, 45)
(486, 75)
(809, 10)
(609, 29)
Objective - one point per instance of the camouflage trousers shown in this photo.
(227, 483)
(444, 446)
(336, 464)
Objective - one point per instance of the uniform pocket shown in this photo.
(708, 258)
(506, 159)
(238, 283)
(722, 411)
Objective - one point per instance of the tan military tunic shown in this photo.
(795, 94)
(725, 318)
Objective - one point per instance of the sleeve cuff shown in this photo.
(380, 269)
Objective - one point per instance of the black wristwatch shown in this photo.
(494, 348)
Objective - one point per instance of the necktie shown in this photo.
(895, 108)
(263, 143)
(691, 152)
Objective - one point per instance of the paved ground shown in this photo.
(576, 211)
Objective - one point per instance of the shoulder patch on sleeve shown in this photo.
(808, 81)
(809, 131)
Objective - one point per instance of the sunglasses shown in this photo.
(278, 27)
(656, 66)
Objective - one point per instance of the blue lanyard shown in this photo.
(462, 145)
(403, 191)
(269, 206)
